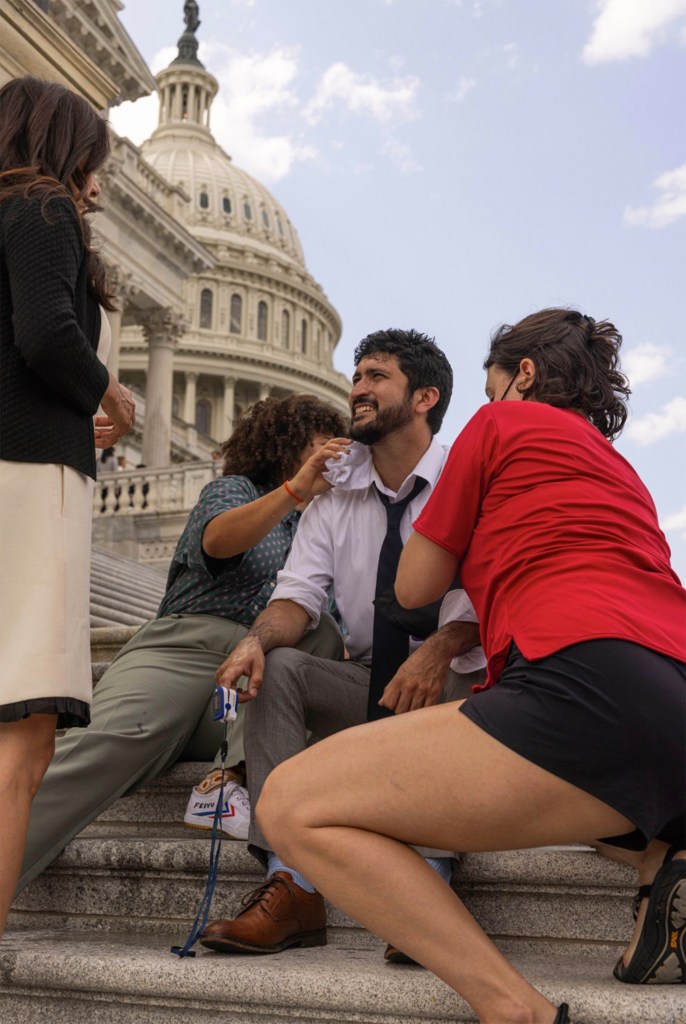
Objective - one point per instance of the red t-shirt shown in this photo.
(556, 536)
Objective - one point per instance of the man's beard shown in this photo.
(385, 422)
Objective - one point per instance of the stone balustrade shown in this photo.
(148, 491)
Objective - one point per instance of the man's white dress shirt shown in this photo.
(338, 542)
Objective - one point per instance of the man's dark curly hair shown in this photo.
(420, 359)
(577, 364)
(268, 439)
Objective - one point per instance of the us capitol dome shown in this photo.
(257, 324)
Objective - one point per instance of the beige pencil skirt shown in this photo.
(45, 542)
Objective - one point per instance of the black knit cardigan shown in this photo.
(51, 380)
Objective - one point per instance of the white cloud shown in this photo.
(646, 362)
(136, 121)
(630, 28)
(164, 57)
(359, 92)
(256, 82)
(464, 86)
(677, 521)
(477, 8)
(512, 55)
(401, 155)
(251, 87)
(257, 113)
(397, 63)
(655, 426)
(667, 208)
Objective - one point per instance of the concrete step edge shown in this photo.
(332, 981)
(552, 869)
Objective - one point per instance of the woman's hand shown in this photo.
(234, 531)
(120, 413)
(309, 481)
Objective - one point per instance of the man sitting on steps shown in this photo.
(349, 538)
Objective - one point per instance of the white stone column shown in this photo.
(114, 317)
(121, 283)
(265, 391)
(229, 405)
(162, 329)
(190, 398)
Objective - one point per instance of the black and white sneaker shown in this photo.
(202, 806)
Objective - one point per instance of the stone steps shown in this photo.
(113, 978)
(122, 591)
(140, 859)
(89, 939)
(152, 879)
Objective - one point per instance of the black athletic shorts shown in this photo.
(609, 717)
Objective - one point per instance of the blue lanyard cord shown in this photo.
(198, 926)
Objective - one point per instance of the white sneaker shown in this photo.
(235, 818)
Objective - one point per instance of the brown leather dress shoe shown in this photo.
(278, 914)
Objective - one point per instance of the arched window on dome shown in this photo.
(279, 225)
(265, 219)
(236, 318)
(285, 328)
(203, 415)
(261, 321)
(226, 204)
(204, 201)
(247, 210)
(206, 308)
(303, 335)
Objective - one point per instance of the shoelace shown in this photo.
(258, 895)
(235, 794)
(240, 797)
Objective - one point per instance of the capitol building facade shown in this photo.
(217, 308)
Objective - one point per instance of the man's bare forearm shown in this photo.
(281, 624)
(453, 639)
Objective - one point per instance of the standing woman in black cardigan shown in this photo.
(53, 336)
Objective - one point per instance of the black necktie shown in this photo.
(390, 644)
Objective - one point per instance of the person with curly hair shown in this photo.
(152, 706)
(349, 542)
(578, 734)
(54, 340)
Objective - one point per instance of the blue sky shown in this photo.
(451, 165)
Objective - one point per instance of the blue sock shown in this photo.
(274, 864)
(443, 866)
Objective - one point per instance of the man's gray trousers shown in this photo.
(304, 699)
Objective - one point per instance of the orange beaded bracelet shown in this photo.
(293, 495)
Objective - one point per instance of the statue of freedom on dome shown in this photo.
(190, 15)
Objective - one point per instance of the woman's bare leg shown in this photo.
(365, 801)
(26, 748)
(647, 863)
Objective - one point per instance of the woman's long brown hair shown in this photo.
(51, 140)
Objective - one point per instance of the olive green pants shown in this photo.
(151, 708)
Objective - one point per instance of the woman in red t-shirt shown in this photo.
(582, 739)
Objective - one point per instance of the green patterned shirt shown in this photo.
(235, 588)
